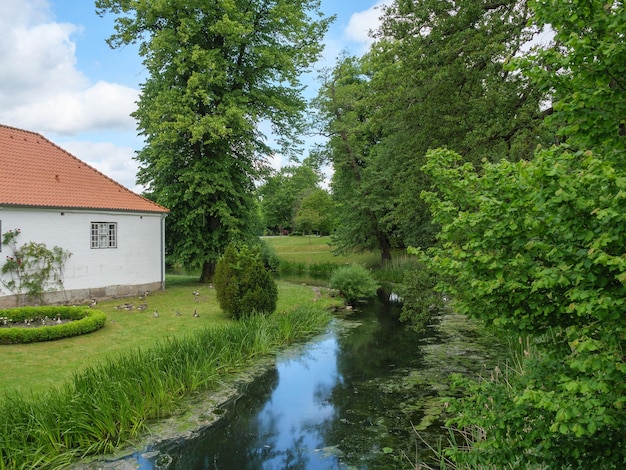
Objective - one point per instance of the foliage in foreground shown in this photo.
(354, 282)
(539, 247)
(109, 404)
(243, 284)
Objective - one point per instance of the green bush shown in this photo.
(84, 320)
(538, 247)
(354, 282)
(243, 284)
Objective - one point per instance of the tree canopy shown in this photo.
(583, 71)
(216, 70)
(281, 193)
(437, 75)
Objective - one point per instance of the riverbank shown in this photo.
(109, 405)
(398, 386)
(196, 414)
(128, 327)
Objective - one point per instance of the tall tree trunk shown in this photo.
(385, 248)
(208, 270)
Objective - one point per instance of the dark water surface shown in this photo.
(346, 399)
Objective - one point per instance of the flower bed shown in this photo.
(33, 324)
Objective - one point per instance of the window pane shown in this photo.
(103, 235)
(112, 236)
(94, 235)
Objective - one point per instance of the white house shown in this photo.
(116, 237)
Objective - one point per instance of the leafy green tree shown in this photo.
(584, 72)
(440, 77)
(243, 285)
(361, 193)
(281, 194)
(215, 71)
(539, 247)
(436, 77)
(307, 220)
(316, 210)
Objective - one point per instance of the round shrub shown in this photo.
(243, 284)
(83, 320)
(354, 282)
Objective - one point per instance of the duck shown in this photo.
(195, 313)
(155, 314)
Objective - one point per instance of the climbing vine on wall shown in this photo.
(32, 268)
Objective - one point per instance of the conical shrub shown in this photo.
(244, 286)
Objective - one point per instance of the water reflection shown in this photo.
(325, 406)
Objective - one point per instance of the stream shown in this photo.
(346, 399)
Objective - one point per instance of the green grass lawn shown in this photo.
(316, 250)
(35, 367)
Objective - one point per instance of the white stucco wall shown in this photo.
(137, 260)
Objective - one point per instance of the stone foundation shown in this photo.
(83, 296)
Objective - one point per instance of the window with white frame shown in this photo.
(103, 235)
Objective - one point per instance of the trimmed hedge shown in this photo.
(84, 320)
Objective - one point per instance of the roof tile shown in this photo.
(36, 172)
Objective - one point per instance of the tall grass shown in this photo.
(109, 403)
(393, 271)
(317, 270)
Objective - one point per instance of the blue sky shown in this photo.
(59, 77)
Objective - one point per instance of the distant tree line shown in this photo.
(292, 201)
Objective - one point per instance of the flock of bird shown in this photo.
(128, 306)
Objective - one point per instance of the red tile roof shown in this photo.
(35, 172)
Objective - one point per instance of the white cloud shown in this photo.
(363, 22)
(68, 112)
(276, 161)
(40, 86)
